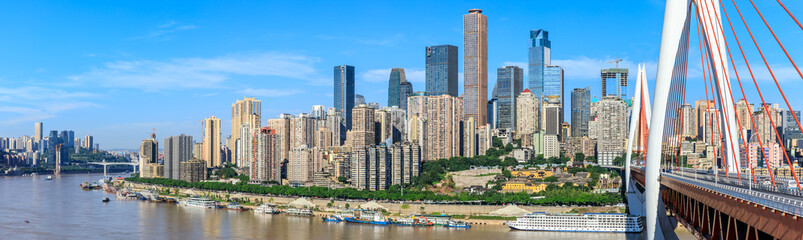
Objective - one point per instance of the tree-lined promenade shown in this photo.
(567, 195)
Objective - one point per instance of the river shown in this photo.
(59, 209)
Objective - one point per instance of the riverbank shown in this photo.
(471, 213)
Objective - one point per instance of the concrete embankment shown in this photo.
(393, 208)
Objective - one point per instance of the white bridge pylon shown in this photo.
(641, 107)
(672, 61)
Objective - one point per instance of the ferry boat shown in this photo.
(89, 186)
(299, 211)
(236, 207)
(415, 221)
(587, 222)
(332, 218)
(267, 208)
(48, 178)
(198, 202)
(457, 224)
(369, 217)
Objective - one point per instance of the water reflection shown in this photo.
(58, 209)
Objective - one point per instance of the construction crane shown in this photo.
(616, 60)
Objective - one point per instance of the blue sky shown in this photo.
(115, 70)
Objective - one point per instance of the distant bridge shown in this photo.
(106, 164)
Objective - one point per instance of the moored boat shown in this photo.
(299, 211)
(236, 207)
(457, 224)
(267, 208)
(332, 218)
(89, 186)
(587, 222)
(197, 202)
(368, 217)
(415, 221)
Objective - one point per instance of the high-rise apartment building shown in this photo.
(397, 77)
(614, 82)
(335, 123)
(211, 147)
(302, 131)
(507, 88)
(539, 57)
(301, 166)
(193, 170)
(686, 118)
(744, 111)
(246, 111)
(443, 118)
(344, 91)
(362, 132)
(148, 156)
(267, 161)
(177, 149)
(282, 127)
(475, 66)
(441, 70)
(37, 132)
(88, 142)
(528, 114)
(611, 118)
(550, 119)
(581, 111)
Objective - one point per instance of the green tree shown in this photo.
(342, 179)
(591, 159)
(579, 157)
(507, 173)
(551, 179)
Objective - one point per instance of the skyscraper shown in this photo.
(611, 118)
(211, 147)
(614, 82)
(318, 112)
(52, 141)
(302, 131)
(267, 161)
(507, 88)
(405, 90)
(363, 132)
(550, 119)
(37, 132)
(148, 155)
(528, 112)
(177, 149)
(246, 111)
(344, 91)
(475, 66)
(553, 87)
(540, 57)
(581, 111)
(442, 127)
(394, 86)
(441, 70)
(88, 142)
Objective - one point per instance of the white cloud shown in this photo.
(383, 75)
(388, 41)
(162, 31)
(25, 104)
(207, 73)
(262, 92)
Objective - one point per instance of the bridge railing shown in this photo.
(779, 203)
(744, 183)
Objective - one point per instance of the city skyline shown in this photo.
(99, 93)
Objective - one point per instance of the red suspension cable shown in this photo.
(721, 99)
(788, 161)
(741, 87)
(790, 14)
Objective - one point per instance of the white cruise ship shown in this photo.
(266, 208)
(198, 202)
(588, 222)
